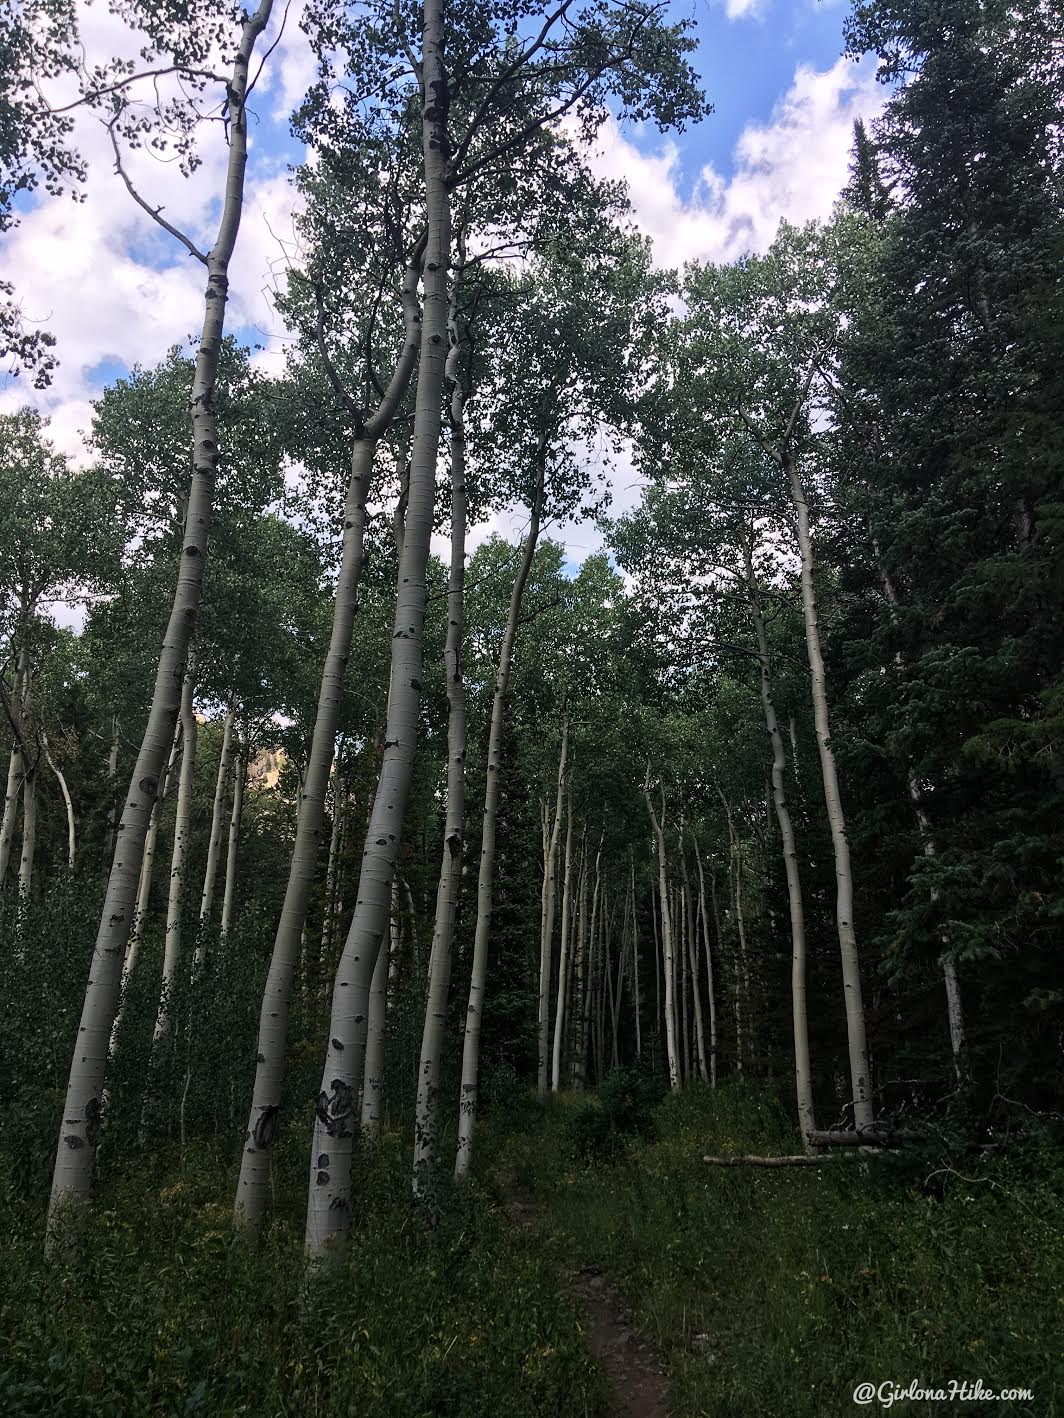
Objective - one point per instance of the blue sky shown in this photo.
(117, 291)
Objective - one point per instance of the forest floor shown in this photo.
(633, 1369)
(638, 1282)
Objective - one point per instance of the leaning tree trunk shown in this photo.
(328, 1205)
(550, 888)
(803, 1076)
(261, 1133)
(67, 800)
(15, 769)
(427, 1108)
(182, 832)
(666, 943)
(129, 964)
(214, 842)
(80, 1126)
(851, 974)
(240, 765)
(563, 956)
(468, 1097)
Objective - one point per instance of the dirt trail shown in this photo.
(632, 1366)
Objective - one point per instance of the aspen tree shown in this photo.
(240, 772)
(214, 841)
(802, 1068)
(426, 1123)
(550, 880)
(563, 954)
(469, 1095)
(671, 1048)
(79, 1130)
(252, 1186)
(330, 1172)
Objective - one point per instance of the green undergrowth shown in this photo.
(170, 1315)
(775, 1292)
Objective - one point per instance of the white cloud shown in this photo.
(744, 9)
(792, 167)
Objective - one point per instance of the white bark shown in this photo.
(143, 891)
(261, 1133)
(692, 956)
(803, 1078)
(563, 956)
(376, 1026)
(635, 966)
(672, 1053)
(427, 1110)
(15, 769)
(547, 934)
(330, 1172)
(736, 880)
(29, 839)
(860, 1082)
(67, 801)
(711, 991)
(468, 1097)
(240, 768)
(214, 842)
(182, 832)
(82, 1110)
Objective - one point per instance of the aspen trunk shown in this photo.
(214, 842)
(79, 1130)
(710, 990)
(143, 891)
(578, 1010)
(692, 954)
(261, 1133)
(330, 1170)
(15, 769)
(851, 975)
(468, 1097)
(679, 915)
(240, 766)
(735, 878)
(182, 829)
(635, 966)
(29, 839)
(427, 1115)
(803, 1077)
(376, 1025)
(67, 802)
(547, 937)
(666, 940)
(563, 956)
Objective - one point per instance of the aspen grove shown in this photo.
(532, 857)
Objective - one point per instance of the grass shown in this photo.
(171, 1316)
(776, 1292)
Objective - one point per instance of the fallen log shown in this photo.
(865, 1137)
(801, 1160)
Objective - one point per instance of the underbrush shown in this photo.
(775, 1292)
(171, 1315)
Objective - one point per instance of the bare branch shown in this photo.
(154, 212)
